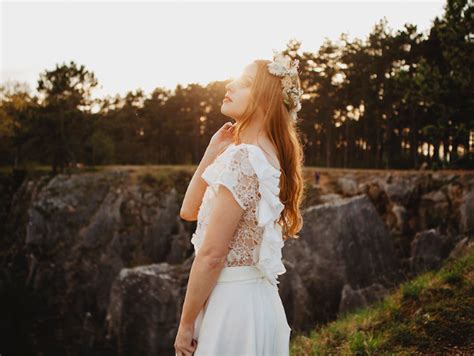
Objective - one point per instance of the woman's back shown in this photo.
(254, 182)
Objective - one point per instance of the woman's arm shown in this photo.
(196, 188)
(195, 191)
(210, 260)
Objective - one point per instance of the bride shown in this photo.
(245, 195)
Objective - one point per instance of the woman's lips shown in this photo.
(226, 98)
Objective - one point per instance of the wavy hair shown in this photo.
(266, 93)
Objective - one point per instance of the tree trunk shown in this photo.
(328, 144)
(414, 147)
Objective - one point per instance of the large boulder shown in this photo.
(428, 249)
(345, 243)
(145, 305)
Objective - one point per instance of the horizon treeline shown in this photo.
(393, 100)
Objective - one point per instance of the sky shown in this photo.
(148, 44)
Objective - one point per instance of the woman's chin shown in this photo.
(225, 110)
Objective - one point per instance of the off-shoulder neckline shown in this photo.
(261, 151)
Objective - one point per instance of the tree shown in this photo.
(17, 111)
(65, 94)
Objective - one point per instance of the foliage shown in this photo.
(394, 100)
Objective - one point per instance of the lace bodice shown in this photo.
(254, 184)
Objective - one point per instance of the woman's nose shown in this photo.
(229, 85)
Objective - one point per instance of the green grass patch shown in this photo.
(432, 312)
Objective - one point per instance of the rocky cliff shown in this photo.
(97, 263)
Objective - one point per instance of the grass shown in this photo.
(432, 313)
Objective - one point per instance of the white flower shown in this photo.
(283, 66)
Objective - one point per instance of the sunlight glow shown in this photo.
(131, 45)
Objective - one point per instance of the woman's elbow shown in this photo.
(186, 215)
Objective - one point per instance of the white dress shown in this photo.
(244, 315)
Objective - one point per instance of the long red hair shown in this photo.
(266, 93)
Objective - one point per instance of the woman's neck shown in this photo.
(253, 133)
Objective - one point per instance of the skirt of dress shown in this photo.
(243, 316)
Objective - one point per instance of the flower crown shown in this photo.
(283, 66)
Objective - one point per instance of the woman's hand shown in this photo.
(222, 138)
(184, 343)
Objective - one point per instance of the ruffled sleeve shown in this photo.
(269, 209)
(233, 170)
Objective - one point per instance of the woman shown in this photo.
(245, 196)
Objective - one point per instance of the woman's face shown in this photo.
(238, 93)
